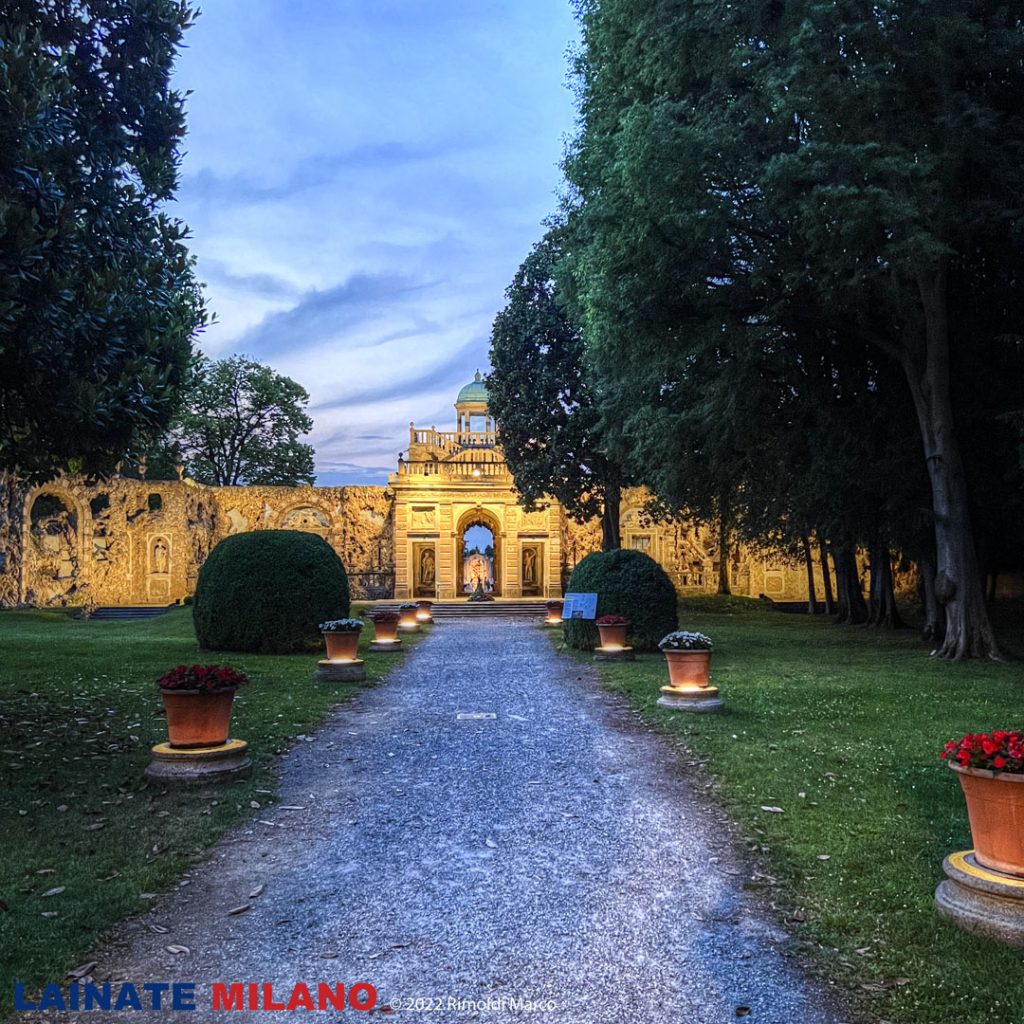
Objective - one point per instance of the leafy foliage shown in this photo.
(630, 584)
(540, 397)
(785, 224)
(98, 301)
(240, 424)
(266, 592)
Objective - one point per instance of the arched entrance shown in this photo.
(475, 548)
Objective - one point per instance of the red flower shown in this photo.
(206, 678)
(999, 750)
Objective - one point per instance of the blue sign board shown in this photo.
(580, 606)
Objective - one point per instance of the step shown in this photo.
(483, 609)
(128, 613)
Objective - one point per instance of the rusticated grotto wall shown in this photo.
(135, 542)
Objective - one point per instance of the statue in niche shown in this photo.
(530, 566)
(428, 567)
(477, 572)
(161, 557)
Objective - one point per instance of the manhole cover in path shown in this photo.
(474, 716)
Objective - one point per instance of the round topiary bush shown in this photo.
(267, 592)
(627, 583)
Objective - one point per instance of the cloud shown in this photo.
(447, 372)
(268, 285)
(324, 315)
(361, 189)
(312, 172)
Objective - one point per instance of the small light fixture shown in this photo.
(476, 471)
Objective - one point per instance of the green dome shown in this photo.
(474, 391)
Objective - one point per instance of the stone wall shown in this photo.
(137, 542)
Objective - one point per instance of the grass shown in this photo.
(78, 714)
(841, 728)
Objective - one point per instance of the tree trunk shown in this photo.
(958, 583)
(826, 578)
(882, 610)
(934, 615)
(852, 609)
(812, 595)
(723, 548)
(12, 556)
(610, 537)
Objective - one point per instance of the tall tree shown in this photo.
(98, 302)
(240, 424)
(902, 178)
(756, 183)
(540, 398)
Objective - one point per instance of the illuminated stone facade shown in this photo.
(137, 542)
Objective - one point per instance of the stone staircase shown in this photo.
(444, 610)
(128, 614)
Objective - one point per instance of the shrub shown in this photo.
(627, 583)
(267, 591)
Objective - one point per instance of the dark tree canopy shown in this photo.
(542, 402)
(787, 227)
(240, 424)
(98, 302)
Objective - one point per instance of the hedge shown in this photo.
(627, 583)
(267, 591)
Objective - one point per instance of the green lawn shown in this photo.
(841, 728)
(78, 713)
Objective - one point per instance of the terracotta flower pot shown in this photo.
(423, 612)
(554, 611)
(198, 718)
(385, 630)
(688, 668)
(612, 636)
(995, 807)
(407, 618)
(342, 646)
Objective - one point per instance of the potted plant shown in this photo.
(423, 612)
(197, 700)
(689, 658)
(342, 638)
(554, 609)
(613, 630)
(385, 626)
(407, 616)
(991, 771)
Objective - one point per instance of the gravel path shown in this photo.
(553, 851)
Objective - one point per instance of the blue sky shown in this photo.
(362, 179)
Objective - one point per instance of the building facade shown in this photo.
(124, 541)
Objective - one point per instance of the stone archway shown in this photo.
(489, 521)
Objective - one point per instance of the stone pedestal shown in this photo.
(341, 671)
(982, 901)
(386, 646)
(200, 766)
(614, 654)
(691, 698)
